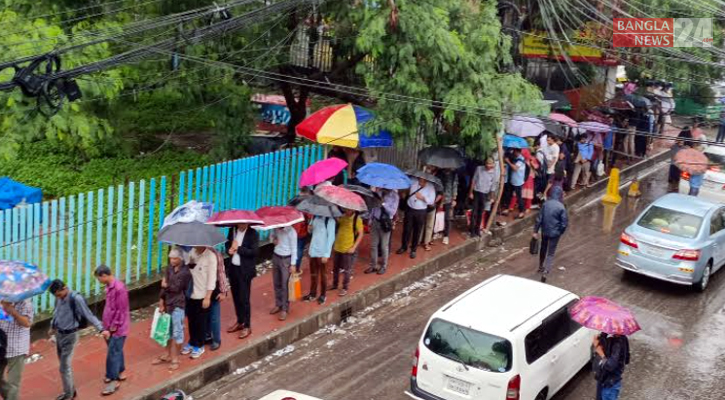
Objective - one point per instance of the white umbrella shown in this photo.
(522, 126)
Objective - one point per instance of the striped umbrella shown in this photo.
(344, 125)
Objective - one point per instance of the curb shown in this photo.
(213, 370)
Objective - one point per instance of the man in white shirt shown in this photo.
(551, 152)
(283, 260)
(422, 194)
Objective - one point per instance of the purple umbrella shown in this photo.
(592, 126)
(604, 315)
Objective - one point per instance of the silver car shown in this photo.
(678, 238)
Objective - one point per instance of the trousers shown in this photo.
(379, 244)
(65, 346)
(608, 393)
(546, 254)
(115, 362)
(479, 206)
(318, 273)
(197, 321)
(508, 191)
(213, 332)
(11, 371)
(241, 286)
(343, 264)
(280, 276)
(412, 228)
(578, 168)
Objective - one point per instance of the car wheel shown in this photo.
(702, 284)
(541, 395)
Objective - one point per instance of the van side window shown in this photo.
(552, 331)
(534, 345)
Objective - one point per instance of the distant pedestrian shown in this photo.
(322, 230)
(381, 227)
(203, 266)
(450, 189)
(674, 172)
(611, 355)
(173, 302)
(552, 221)
(283, 261)
(422, 195)
(582, 163)
(116, 326)
(431, 211)
(721, 129)
(485, 181)
(302, 230)
(695, 184)
(348, 238)
(17, 336)
(243, 247)
(70, 315)
(516, 176)
(213, 335)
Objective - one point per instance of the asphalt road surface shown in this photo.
(679, 354)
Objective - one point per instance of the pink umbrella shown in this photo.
(592, 126)
(278, 217)
(604, 315)
(342, 197)
(564, 119)
(234, 217)
(691, 161)
(322, 171)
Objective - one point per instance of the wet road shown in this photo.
(679, 354)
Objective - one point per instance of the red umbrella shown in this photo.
(278, 217)
(564, 119)
(322, 171)
(234, 217)
(342, 197)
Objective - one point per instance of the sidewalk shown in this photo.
(41, 379)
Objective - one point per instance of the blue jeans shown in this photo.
(301, 243)
(214, 324)
(608, 393)
(115, 363)
(177, 325)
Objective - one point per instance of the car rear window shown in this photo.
(473, 348)
(675, 223)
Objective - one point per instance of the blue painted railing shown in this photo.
(68, 237)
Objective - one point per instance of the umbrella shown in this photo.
(384, 176)
(562, 118)
(620, 105)
(523, 126)
(515, 142)
(558, 100)
(322, 171)
(20, 281)
(191, 234)
(428, 177)
(344, 125)
(342, 197)
(371, 198)
(316, 205)
(192, 211)
(592, 126)
(234, 217)
(555, 129)
(691, 161)
(638, 101)
(604, 315)
(441, 157)
(278, 217)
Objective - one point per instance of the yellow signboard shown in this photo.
(537, 45)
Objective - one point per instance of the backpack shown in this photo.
(80, 318)
(386, 224)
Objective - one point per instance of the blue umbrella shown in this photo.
(20, 281)
(515, 142)
(384, 176)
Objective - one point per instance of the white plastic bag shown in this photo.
(190, 212)
(600, 169)
(440, 223)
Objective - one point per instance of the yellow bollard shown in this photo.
(612, 196)
(634, 188)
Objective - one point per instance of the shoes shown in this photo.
(321, 300)
(235, 328)
(382, 271)
(308, 298)
(186, 350)
(245, 333)
(401, 250)
(283, 315)
(343, 293)
(275, 310)
(412, 255)
(445, 240)
(215, 346)
(64, 397)
(333, 287)
(543, 278)
(370, 270)
(197, 352)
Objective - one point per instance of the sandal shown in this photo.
(520, 216)
(111, 388)
(174, 366)
(427, 247)
(159, 360)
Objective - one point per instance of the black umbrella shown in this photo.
(191, 234)
(428, 177)
(555, 129)
(442, 157)
(559, 99)
(372, 199)
(319, 207)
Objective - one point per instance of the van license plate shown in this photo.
(459, 386)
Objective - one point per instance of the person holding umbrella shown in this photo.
(17, 333)
(321, 230)
(381, 227)
(172, 301)
(243, 247)
(422, 195)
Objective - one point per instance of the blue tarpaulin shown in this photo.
(13, 193)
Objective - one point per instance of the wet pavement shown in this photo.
(679, 354)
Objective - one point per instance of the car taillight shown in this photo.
(414, 372)
(685, 176)
(687, 255)
(514, 388)
(628, 240)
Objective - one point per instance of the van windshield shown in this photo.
(472, 348)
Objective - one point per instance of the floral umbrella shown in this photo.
(691, 161)
(342, 197)
(20, 281)
(604, 315)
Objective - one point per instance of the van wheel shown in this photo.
(541, 395)
(702, 284)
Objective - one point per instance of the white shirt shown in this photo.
(552, 156)
(204, 274)
(286, 243)
(239, 238)
(429, 195)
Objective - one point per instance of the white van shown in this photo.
(508, 338)
(287, 395)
